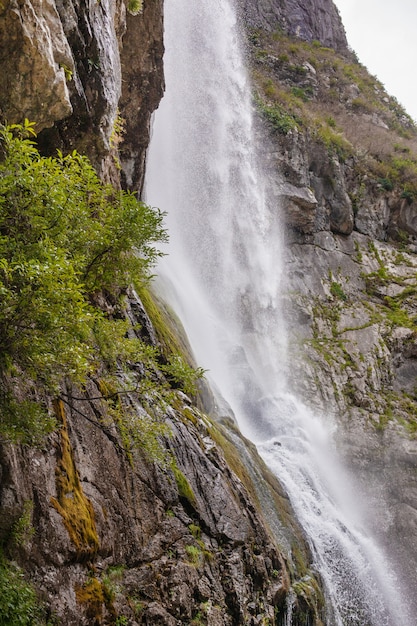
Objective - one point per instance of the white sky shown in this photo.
(383, 33)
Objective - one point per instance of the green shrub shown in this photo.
(386, 184)
(182, 375)
(64, 237)
(19, 605)
(337, 291)
(280, 120)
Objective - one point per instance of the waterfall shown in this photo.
(222, 275)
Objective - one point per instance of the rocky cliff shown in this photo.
(310, 20)
(342, 156)
(88, 74)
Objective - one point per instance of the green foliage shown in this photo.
(23, 530)
(184, 487)
(337, 291)
(281, 121)
(135, 6)
(25, 421)
(324, 100)
(176, 361)
(19, 605)
(359, 255)
(64, 236)
(195, 531)
(304, 93)
(409, 194)
(167, 326)
(194, 554)
(144, 431)
(335, 142)
(386, 184)
(112, 582)
(182, 375)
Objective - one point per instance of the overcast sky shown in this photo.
(383, 33)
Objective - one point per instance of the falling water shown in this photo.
(222, 276)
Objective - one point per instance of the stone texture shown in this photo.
(145, 527)
(132, 526)
(142, 88)
(308, 19)
(299, 205)
(93, 32)
(91, 50)
(35, 51)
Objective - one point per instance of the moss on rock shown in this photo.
(71, 502)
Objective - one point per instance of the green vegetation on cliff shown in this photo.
(69, 245)
(336, 102)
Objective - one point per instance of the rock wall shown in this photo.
(89, 74)
(341, 157)
(35, 51)
(308, 19)
(106, 536)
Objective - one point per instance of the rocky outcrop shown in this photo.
(342, 158)
(112, 534)
(67, 64)
(38, 58)
(308, 19)
(352, 325)
(179, 550)
(142, 89)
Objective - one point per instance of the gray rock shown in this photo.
(308, 19)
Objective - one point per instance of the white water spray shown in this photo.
(223, 272)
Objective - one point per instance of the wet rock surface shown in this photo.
(167, 553)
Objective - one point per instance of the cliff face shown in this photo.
(307, 19)
(107, 535)
(65, 64)
(150, 543)
(342, 154)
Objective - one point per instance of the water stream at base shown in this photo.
(222, 276)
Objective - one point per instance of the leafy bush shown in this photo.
(64, 237)
(279, 119)
(182, 375)
(19, 605)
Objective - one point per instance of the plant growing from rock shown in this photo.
(65, 239)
